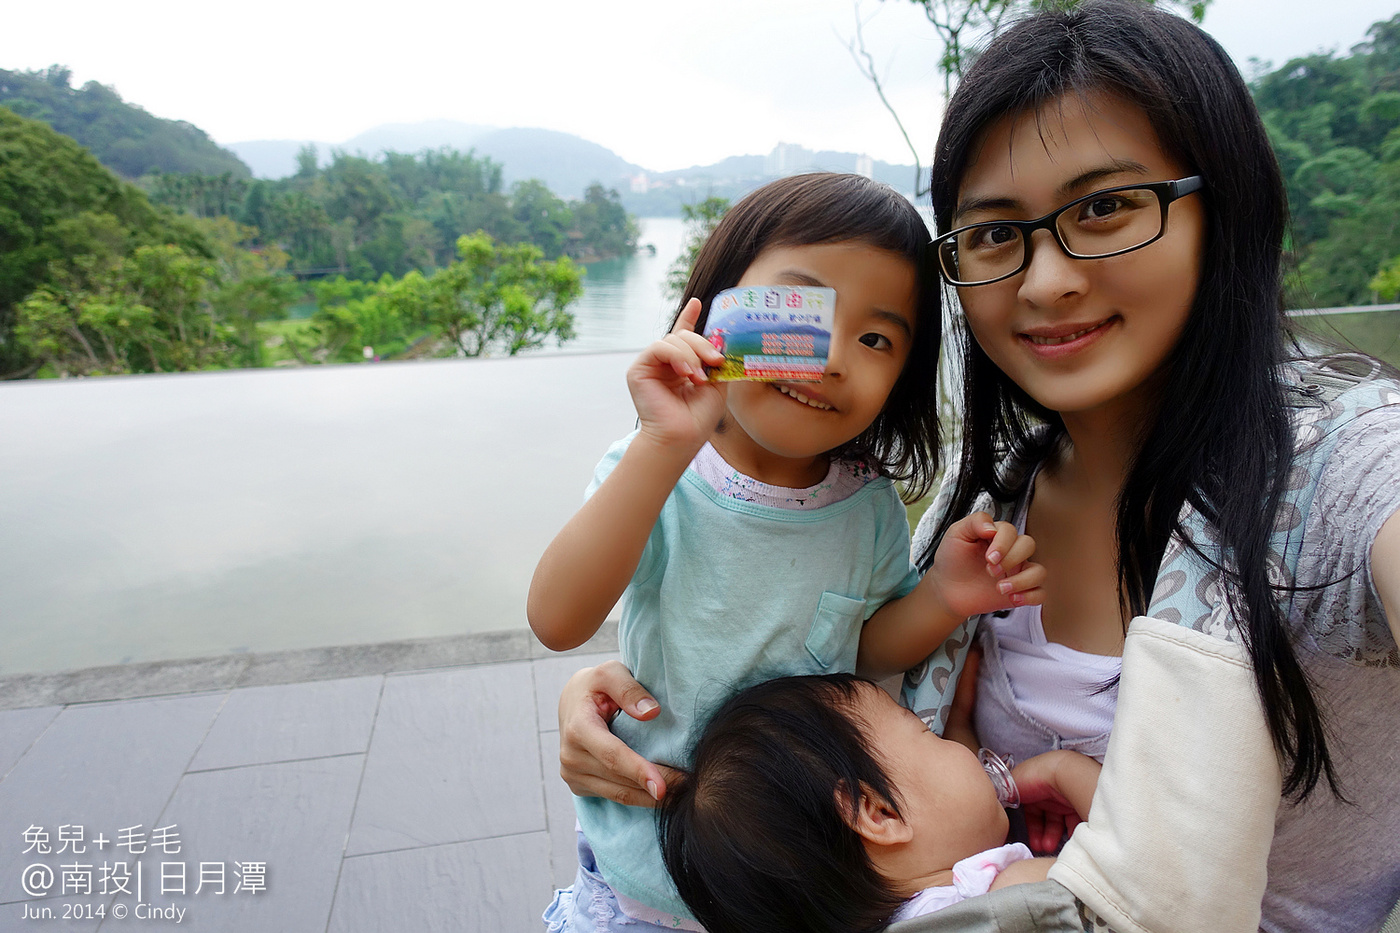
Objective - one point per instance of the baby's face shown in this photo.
(946, 796)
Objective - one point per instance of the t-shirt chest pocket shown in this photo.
(835, 633)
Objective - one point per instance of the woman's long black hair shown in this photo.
(1220, 439)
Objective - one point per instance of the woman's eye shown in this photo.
(877, 341)
(1101, 207)
(988, 238)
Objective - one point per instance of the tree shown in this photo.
(145, 313)
(501, 297)
(700, 221)
(962, 26)
(59, 205)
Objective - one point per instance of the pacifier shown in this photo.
(999, 770)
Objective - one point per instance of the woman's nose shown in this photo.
(1052, 275)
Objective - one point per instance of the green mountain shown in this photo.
(122, 136)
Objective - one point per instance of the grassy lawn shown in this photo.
(274, 337)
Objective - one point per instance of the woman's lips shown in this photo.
(1053, 343)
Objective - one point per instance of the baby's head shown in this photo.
(818, 803)
(813, 213)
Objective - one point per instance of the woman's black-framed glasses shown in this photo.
(1106, 223)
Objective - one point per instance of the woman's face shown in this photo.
(1080, 335)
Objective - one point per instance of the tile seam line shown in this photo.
(544, 796)
(42, 732)
(454, 842)
(359, 787)
(264, 764)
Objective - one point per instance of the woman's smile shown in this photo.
(1058, 341)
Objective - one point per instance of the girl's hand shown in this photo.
(1056, 789)
(593, 761)
(984, 566)
(676, 403)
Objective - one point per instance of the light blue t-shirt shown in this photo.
(727, 594)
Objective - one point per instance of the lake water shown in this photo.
(160, 517)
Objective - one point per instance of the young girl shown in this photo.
(753, 529)
(1188, 476)
(765, 833)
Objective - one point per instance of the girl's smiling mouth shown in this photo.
(812, 400)
(1065, 339)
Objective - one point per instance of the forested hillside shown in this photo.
(363, 218)
(1335, 124)
(122, 136)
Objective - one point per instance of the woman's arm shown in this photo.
(1385, 571)
(589, 563)
(1183, 818)
(593, 761)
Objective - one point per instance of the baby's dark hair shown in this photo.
(825, 207)
(760, 835)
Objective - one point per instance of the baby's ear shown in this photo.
(874, 820)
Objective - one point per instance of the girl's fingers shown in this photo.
(1029, 577)
(685, 323)
(679, 356)
(1020, 551)
(1003, 538)
(702, 347)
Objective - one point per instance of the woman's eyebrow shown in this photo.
(1067, 190)
(1094, 175)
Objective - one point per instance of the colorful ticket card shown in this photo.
(771, 333)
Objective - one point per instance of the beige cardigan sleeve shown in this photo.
(1179, 833)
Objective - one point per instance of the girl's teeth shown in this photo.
(793, 393)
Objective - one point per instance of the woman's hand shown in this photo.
(675, 401)
(960, 727)
(593, 761)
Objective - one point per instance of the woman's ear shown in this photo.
(875, 821)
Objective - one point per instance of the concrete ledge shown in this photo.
(194, 675)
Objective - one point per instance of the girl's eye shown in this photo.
(876, 341)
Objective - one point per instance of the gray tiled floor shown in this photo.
(402, 801)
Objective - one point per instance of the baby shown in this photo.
(819, 804)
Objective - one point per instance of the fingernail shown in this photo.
(1017, 599)
(994, 557)
(645, 706)
(1004, 586)
(651, 789)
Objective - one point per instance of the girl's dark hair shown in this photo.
(760, 835)
(1220, 439)
(824, 207)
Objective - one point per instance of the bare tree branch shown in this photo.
(865, 62)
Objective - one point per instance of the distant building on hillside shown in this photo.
(865, 165)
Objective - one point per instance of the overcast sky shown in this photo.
(665, 85)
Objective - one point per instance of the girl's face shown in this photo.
(1080, 335)
(946, 796)
(876, 302)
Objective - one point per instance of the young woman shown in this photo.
(1112, 216)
